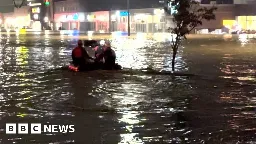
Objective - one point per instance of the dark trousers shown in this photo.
(78, 62)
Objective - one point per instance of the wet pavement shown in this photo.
(217, 105)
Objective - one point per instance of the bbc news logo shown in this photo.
(37, 128)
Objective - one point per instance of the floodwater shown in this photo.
(217, 105)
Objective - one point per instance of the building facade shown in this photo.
(17, 19)
(106, 18)
(70, 15)
(100, 5)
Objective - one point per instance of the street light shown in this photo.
(18, 3)
(128, 10)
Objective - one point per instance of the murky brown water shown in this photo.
(216, 106)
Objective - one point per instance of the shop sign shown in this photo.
(36, 10)
(91, 17)
(36, 17)
(123, 13)
(74, 17)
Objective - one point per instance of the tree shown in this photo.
(18, 3)
(187, 14)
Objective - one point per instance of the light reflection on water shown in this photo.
(216, 106)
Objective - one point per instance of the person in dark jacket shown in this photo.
(80, 56)
(108, 55)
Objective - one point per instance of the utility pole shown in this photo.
(128, 10)
(52, 7)
(42, 13)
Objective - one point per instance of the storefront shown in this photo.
(18, 19)
(98, 21)
(119, 21)
(141, 20)
(241, 23)
(69, 21)
(247, 22)
(159, 21)
(35, 17)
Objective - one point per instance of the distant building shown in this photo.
(228, 1)
(244, 1)
(103, 16)
(101, 5)
(217, 1)
(17, 19)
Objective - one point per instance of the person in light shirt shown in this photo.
(105, 56)
(108, 55)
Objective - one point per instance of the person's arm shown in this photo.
(113, 53)
(100, 56)
(72, 54)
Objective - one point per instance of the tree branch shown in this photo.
(22, 2)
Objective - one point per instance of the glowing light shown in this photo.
(102, 18)
(113, 18)
(62, 32)
(47, 3)
(47, 32)
(102, 42)
(69, 17)
(73, 68)
(123, 13)
(75, 17)
(36, 10)
(46, 19)
(10, 20)
(22, 55)
(140, 17)
(243, 39)
(90, 17)
(141, 36)
(38, 32)
(36, 16)
(81, 17)
(117, 13)
(34, 4)
(90, 33)
(158, 11)
(17, 32)
(47, 51)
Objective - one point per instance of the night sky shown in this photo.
(94, 5)
(6, 6)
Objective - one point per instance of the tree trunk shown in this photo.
(174, 53)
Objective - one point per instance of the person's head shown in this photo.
(108, 44)
(80, 43)
(102, 43)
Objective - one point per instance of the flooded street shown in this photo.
(217, 105)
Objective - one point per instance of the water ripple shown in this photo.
(217, 106)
